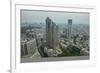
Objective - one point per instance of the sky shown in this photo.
(32, 16)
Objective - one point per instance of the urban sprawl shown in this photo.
(50, 40)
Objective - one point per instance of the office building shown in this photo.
(69, 28)
(51, 34)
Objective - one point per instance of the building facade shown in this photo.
(28, 47)
(51, 34)
(69, 30)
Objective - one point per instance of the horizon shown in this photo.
(33, 16)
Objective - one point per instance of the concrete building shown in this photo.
(31, 46)
(28, 47)
(69, 28)
(51, 34)
(23, 48)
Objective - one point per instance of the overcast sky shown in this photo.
(57, 17)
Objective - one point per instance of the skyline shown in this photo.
(32, 16)
(52, 38)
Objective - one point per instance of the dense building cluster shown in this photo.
(52, 42)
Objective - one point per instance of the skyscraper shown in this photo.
(69, 28)
(51, 33)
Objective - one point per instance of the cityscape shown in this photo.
(52, 38)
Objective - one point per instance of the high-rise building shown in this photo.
(55, 39)
(23, 48)
(69, 28)
(51, 33)
(28, 47)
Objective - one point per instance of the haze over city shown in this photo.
(32, 16)
(47, 34)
